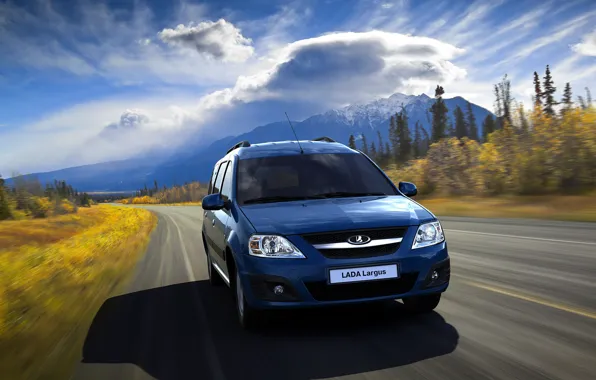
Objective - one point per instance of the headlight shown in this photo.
(428, 234)
(273, 246)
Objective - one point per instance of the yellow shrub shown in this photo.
(67, 206)
(40, 207)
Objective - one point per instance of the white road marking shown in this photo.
(522, 237)
(189, 271)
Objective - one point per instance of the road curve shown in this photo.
(521, 305)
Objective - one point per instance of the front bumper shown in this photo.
(305, 281)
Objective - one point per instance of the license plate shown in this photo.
(372, 273)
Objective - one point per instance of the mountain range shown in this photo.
(358, 119)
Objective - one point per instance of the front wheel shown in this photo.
(248, 316)
(422, 304)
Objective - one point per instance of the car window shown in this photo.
(219, 178)
(309, 175)
(212, 181)
(226, 187)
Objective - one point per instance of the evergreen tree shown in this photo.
(537, 92)
(417, 141)
(503, 101)
(461, 130)
(393, 138)
(351, 144)
(381, 145)
(364, 144)
(439, 115)
(425, 142)
(567, 98)
(373, 152)
(387, 152)
(548, 94)
(488, 127)
(403, 133)
(471, 121)
(589, 97)
(450, 129)
(4, 209)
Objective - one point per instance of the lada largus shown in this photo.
(315, 223)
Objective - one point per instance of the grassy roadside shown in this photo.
(56, 273)
(580, 208)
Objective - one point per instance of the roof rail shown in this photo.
(241, 144)
(324, 138)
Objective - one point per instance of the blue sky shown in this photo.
(75, 75)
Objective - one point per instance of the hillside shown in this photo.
(358, 119)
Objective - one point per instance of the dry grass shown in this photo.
(56, 273)
(572, 208)
(14, 233)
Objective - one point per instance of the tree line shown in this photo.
(549, 149)
(188, 192)
(26, 197)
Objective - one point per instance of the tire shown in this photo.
(422, 304)
(214, 277)
(249, 317)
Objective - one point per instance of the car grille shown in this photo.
(342, 236)
(321, 291)
(357, 252)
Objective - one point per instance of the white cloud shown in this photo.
(564, 31)
(71, 137)
(220, 40)
(324, 71)
(327, 69)
(587, 46)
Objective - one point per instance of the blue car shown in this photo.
(296, 224)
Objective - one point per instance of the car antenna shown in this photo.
(298, 141)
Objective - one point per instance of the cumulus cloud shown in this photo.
(587, 46)
(220, 40)
(130, 121)
(349, 67)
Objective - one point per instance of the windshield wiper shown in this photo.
(338, 194)
(280, 199)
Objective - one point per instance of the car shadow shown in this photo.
(190, 330)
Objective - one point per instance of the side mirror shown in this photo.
(408, 189)
(213, 202)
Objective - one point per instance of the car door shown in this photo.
(220, 217)
(208, 217)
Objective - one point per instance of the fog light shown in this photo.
(434, 276)
(278, 289)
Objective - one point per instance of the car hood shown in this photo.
(299, 217)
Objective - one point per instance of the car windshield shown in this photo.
(309, 176)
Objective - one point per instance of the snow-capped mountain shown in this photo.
(359, 119)
(370, 114)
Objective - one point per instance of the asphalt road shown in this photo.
(521, 305)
